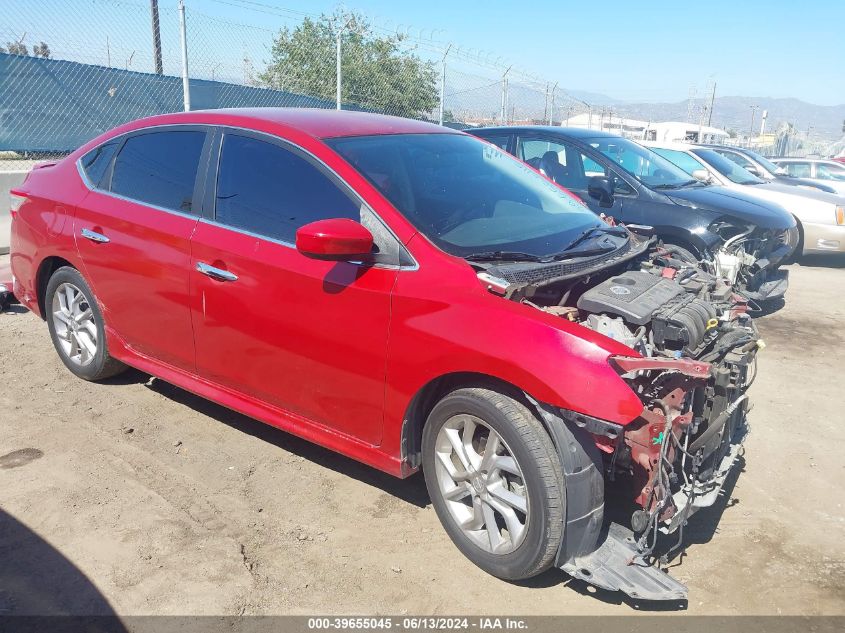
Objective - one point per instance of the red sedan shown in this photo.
(399, 292)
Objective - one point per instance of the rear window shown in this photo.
(96, 162)
(159, 168)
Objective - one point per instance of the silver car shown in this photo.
(821, 170)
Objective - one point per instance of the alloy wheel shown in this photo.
(482, 484)
(74, 324)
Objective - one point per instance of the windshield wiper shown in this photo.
(505, 256)
(589, 233)
(676, 185)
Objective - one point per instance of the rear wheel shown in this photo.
(495, 481)
(76, 326)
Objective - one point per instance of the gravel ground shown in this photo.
(139, 497)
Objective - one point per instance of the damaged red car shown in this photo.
(412, 297)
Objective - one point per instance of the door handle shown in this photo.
(99, 238)
(216, 273)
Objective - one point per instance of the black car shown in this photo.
(736, 236)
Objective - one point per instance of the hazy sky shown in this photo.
(649, 50)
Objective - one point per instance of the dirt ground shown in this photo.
(139, 497)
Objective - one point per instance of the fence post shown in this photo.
(443, 82)
(186, 87)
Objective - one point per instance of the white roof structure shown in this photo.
(670, 131)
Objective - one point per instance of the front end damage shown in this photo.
(693, 355)
(749, 259)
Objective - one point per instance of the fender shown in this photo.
(445, 322)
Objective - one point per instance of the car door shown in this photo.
(304, 335)
(133, 233)
(569, 166)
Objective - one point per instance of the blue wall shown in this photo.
(49, 105)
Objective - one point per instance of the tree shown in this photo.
(376, 72)
(16, 48)
(41, 50)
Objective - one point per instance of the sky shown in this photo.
(632, 50)
(638, 50)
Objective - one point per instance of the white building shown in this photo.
(668, 131)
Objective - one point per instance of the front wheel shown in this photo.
(495, 481)
(76, 326)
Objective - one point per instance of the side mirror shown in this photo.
(336, 239)
(601, 188)
(701, 174)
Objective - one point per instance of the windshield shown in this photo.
(729, 169)
(466, 195)
(682, 159)
(765, 162)
(649, 168)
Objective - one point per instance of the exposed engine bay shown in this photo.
(695, 346)
(749, 257)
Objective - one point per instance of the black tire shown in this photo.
(798, 251)
(102, 365)
(530, 445)
(682, 253)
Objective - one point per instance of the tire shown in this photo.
(798, 251)
(682, 253)
(532, 481)
(74, 343)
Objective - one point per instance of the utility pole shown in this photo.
(442, 81)
(504, 113)
(156, 37)
(712, 101)
(552, 108)
(186, 86)
(546, 103)
(751, 129)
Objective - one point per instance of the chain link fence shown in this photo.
(72, 69)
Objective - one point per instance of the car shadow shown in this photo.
(832, 260)
(411, 490)
(36, 579)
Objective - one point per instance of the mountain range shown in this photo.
(734, 113)
(729, 113)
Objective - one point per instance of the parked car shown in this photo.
(764, 168)
(737, 236)
(820, 215)
(411, 297)
(820, 170)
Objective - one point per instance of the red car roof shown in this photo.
(312, 121)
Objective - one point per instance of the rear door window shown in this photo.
(95, 163)
(499, 140)
(159, 168)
